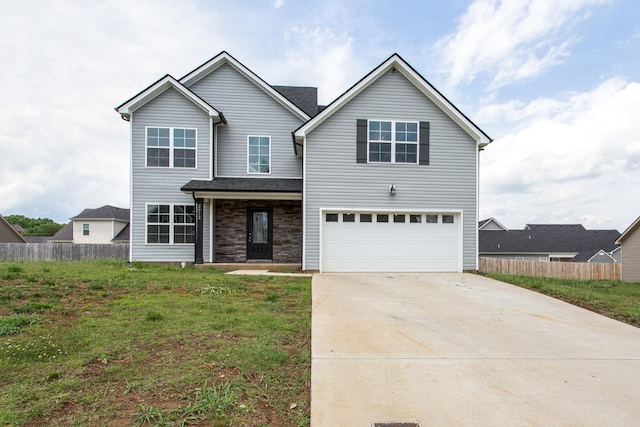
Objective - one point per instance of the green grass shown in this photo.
(616, 299)
(99, 343)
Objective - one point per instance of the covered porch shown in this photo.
(247, 220)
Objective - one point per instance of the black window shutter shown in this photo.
(424, 143)
(361, 141)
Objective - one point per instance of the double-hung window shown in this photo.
(393, 142)
(171, 147)
(171, 224)
(259, 158)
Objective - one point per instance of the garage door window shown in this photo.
(415, 219)
(331, 217)
(365, 217)
(447, 219)
(432, 219)
(348, 218)
(382, 218)
(399, 218)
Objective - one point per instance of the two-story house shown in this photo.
(226, 168)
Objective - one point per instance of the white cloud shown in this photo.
(509, 40)
(319, 57)
(575, 162)
(278, 3)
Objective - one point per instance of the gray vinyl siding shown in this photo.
(631, 257)
(248, 111)
(525, 257)
(334, 179)
(492, 226)
(162, 185)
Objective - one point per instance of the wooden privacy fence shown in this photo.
(62, 251)
(560, 270)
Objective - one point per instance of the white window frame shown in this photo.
(171, 224)
(249, 171)
(171, 148)
(85, 229)
(393, 141)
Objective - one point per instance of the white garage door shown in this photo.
(390, 242)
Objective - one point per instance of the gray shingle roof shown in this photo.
(304, 97)
(267, 185)
(123, 235)
(104, 212)
(65, 234)
(545, 238)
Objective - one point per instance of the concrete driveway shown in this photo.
(461, 349)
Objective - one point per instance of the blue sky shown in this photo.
(555, 83)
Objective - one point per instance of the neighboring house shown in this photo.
(228, 169)
(8, 233)
(629, 241)
(547, 242)
(106, 224)
(64, 235)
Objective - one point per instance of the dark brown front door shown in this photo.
(259, 233)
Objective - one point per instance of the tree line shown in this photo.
(35, 226)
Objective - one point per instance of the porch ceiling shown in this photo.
(246, 188)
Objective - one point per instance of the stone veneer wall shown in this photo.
(231, 229)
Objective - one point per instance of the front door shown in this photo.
(259, 234)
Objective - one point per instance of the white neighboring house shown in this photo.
(107, 224)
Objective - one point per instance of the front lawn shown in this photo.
(616, 299)
(110, 343)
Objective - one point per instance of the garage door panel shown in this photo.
(390, 247)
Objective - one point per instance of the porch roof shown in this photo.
(246, 188)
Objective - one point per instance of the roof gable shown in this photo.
(491, 224)
(13, 231)
(629, 231)
(225, 58)
(395, 62)
(159, 87)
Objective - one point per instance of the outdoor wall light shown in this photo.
(392, 190)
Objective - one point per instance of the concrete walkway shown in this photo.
(464, 350)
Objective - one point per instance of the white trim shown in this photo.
(397, 63)
(247, 195)
(258, 176)
(249, 172)
(408, 211)
(304, 207)
(212, 146)
(171, 148)
(128, 108)
(492, 219)
(224, 58)
(131, 239)
(629, 231)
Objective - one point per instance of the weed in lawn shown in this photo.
(31, 307)
(154, 316)
(38, 349)
(14, 324)
(150, 415)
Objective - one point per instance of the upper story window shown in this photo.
(171, 147)
(259, 154)
(393, 142)
(85, 229)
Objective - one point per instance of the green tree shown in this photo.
(35, 226)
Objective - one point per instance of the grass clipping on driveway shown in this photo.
(110, 343)
(612, 298)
